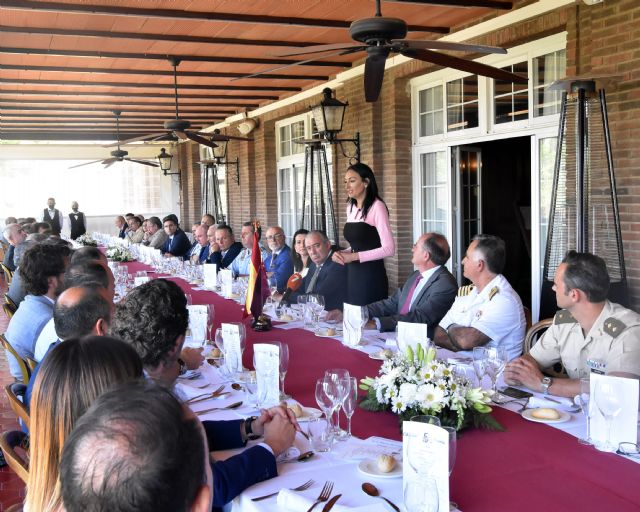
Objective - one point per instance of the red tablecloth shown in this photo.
(528, 467)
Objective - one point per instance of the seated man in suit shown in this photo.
(159, 341)
(490, 312)
(16, 291)
(177, 243)
(200, 250)
(121, 226)
(135, 233)
(325, 277)
(590, 327)
(207, 220)
(278, 264)
(425, 296)
(15, 234)
(225, 249)
(155, 236)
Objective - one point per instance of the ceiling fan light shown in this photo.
(164, 159)
(329, 114)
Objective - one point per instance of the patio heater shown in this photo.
(318, 211)
(584, 213)
(210, 191)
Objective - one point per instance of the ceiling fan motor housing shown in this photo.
(177, 124)
(119, 153)
(370, 30)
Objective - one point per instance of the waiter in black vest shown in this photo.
(53, 217)
(76, 220)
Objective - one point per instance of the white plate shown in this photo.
(527, 414)
(379, 356)
(323, 333)
(370, 468)
(308, 413)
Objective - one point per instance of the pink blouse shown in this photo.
(378, 217)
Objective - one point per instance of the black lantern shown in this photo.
(164, 159)
(220, 152)
(329, 115)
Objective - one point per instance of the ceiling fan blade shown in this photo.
(200, 140)
(296, 63)
(143, 162)
(373, 75)
(86, 163)
(181, 135)
(110, 162)
(464, 65)
(135, 139)
(446, 45)
(321, 48)
(215, 137)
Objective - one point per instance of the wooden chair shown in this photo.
(24, 369)
(17, 507)
(532, 337)
(9, 301)
(16, 394)
(8, 310)
(11, 442)
(8, 274)
(31, 363)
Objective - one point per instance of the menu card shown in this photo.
(198, 317)
(352, 324)
(226, 279)
(425, 452)
(210, 276)
(232, 349)
(267, 361)
(624, 423)
(409, 335)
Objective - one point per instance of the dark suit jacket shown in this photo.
(331, 284)
(282, 268)
(225, 262)
(204, 254)
(235, 474)
(180, 246)
(435, 299)
(8, 258)
(123, 232)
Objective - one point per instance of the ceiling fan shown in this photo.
(177, 128)
(379, 36)
(118, 155)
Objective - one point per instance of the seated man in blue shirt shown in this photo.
(240, 265)
(279, 265)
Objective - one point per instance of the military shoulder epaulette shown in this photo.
(613, 327)
(563, 317)
(494, 291)
(465, 290)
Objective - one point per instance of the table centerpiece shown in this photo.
(119, 253)
(86, 240)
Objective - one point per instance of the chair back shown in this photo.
(8, 310)
(18, 507)
(24, 369)
(8, 274)
(12, 443)
(11, 303)
(16, 394)
(533, 336)
(31, 363)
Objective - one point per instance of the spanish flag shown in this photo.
(258, 289)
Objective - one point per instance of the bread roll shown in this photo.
(331, 331)
(216, 352)
(386, 463)
(286, 317)
(297, 410)
(545, 413)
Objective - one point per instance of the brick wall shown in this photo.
(600, 40)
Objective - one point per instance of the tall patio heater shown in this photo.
(584, 213)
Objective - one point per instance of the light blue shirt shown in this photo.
(240, 265)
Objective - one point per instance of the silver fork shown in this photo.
(302, 487)
(324, 494)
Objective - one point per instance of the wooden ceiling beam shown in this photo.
(150, 94)
(150, 72)
(489, 4)
(167, 57)
(137, 85)
(176, 14)
(155, 118)
(129, 112)
(56, 104)
(68, 135)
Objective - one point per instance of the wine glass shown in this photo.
(364, 316)
(211, 315)
(583, 401)
(453, 442)
(284, 366)
(609, 405)
(338, 378)
(479, 362)
(322, 399)
(421, 495)
(315, 305)
(495, 364)
(350, 402)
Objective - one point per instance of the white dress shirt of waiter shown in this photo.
(53, 216)
(240, 265)
(491, 313)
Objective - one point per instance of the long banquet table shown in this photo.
(528, 467)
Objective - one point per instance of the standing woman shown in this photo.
(369, 234)
(299, 255)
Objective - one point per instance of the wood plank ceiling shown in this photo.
(66, 65)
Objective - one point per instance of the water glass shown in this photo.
(583, 400)
(350, 402)
(421, 495)
(479, 363)
(453, 443)
(320, 435)
(425, 418)
(609, 405)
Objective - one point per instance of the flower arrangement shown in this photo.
(86, 240)
(119, 253)
(415, 383)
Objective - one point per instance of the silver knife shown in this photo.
(331, 503)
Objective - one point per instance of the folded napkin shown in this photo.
(186, 392)
(296, 502)
(560, 402)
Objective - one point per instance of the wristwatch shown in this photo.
(247, 428)
(546, 383)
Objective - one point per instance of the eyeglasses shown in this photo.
(273, 237)
(628, 449)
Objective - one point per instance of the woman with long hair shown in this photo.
(299, 255)
(71, 377)
(369, 234)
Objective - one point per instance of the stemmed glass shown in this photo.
(336, 382)
(495, 364)
(284, 366)
(219, 341)
(323, 400)
(350, 402)
(479, 362)
(583, 401)
(315, 305)
(421, 495)
(211, 315)
(609, 405)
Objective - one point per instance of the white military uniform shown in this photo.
(496, 312)
(614, 339)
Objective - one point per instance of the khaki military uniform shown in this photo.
(614, 338)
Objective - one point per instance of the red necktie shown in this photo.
(407, 303)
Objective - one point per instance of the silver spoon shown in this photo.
(372, 490)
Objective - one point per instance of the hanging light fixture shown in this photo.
(329, 117)
(220, 152)
(164, 159)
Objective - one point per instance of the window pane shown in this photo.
(546, 69)
(511, 101)
(434, 205)
(546, 159)
(430, 111)
(462, 103)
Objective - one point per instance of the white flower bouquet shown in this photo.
(119, 253)
(415, 383)
(86, 240)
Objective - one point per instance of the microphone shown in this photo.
(293, 284)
